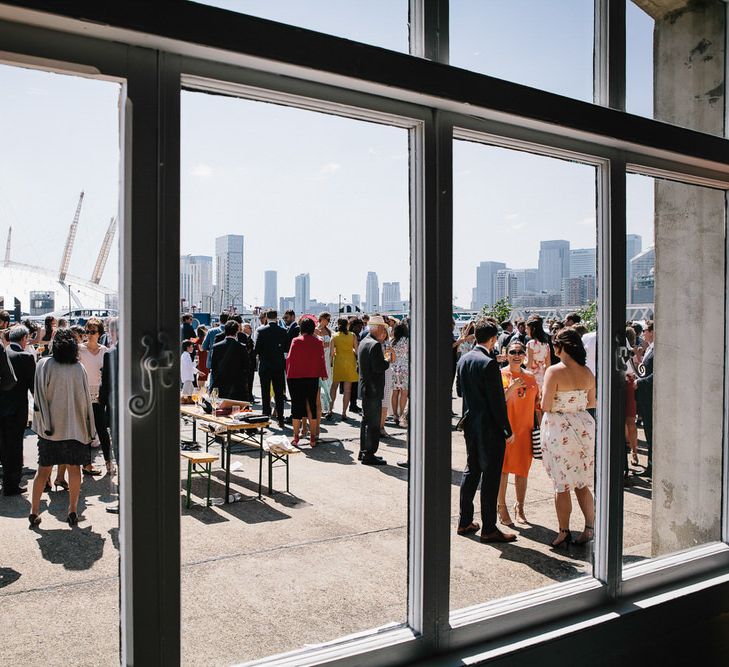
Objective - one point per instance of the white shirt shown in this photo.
(188, 367)
(92, 364)
(589, 340)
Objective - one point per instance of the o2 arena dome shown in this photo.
(41, 291)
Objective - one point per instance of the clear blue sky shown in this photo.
(302, 187)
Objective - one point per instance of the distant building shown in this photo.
(486, 284)
(526, 281)
(541, 300)
(506, 285)
(554, 264)
(642, 266)
(391, 297)
(356, 300)
(372, 292)
(633, 247)
(577, 291)
(196, 283)
(229, 270)
(42, 302)
(302, 289)
(583, 262)
(270, 289)
(286, 303)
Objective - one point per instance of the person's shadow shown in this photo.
(75, 549)
(8, 576)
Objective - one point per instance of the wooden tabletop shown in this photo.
(228, 422)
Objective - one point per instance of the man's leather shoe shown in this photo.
(360, 456)
(497, 536)
(15, 492)
(374, 461)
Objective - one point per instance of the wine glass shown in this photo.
(214, 397)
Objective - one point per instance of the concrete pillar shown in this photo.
(689, 288)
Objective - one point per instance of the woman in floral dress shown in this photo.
(401, 373)
(538, 352)
(568, 433)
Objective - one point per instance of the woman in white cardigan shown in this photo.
(63, 420)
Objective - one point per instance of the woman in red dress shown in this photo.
(202, 357)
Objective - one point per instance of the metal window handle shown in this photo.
(622, 356)
(157, 360)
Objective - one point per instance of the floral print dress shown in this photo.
(568, 441)
(540, 359)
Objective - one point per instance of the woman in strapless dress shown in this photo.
(568, 433)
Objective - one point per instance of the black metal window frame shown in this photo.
(158, 49)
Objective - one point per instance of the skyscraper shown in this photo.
(356, 300)
(583, 262)
(633, 247)
(554, 264)
(526, 280)
(196, 282)
(229, 270)
(642, 271)
(270, 298)
(301, 299)
(506, 285)
(391, 296)
(486, 284)
(577, 291)
(372, 292)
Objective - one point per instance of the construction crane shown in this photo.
(104, 253)
(7, 247)
(66, 259)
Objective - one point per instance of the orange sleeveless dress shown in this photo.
(520, 407)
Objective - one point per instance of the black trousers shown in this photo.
(646, 412)
(12, 431)
(369, 430)
(483, 464)
(102, 429)
(277, 379)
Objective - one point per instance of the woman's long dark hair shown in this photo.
(65, 347)
(569, 341)
(401, 331)
(48, 326)
(536, 331)
(342, 325)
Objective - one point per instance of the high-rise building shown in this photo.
(583, 262)
(554, 264)
(505, 285)
(196, 283)
(391, 296)
(372, 292)
(229, 270)
(577, 291)
(486, 284)
(286, 303)
(642, 271)
(526, 280)
(356, 300)
(633, 247)
(270, 289)
(301, 303)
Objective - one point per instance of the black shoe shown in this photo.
(360, 456)
(404, 464)
(373, 461)
(355, 409)
(288, 420)
(72, 519)
(16, 491)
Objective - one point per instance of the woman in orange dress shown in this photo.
(522, 401)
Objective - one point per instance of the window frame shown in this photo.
(106, 40)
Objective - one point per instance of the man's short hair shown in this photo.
(290, 313)
(272, 314)
(231, 328)
(576, 319)
(17, 333)
(485, 329)
(4, 316)
(505, 323)
(223, 318)
(187, 317)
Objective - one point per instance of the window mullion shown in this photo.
(609, 67)
(429, 29)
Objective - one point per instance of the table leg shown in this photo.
(227, 467)
(194, 430)
(189, 481)
(270, 474)
(287, 473)
(260, 466)
(209, 467)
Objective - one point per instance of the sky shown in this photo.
(315, 193)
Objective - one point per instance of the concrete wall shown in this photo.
(689, 296)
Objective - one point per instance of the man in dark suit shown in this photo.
(292, 327)
(271, 344)
(14, 411)
(644, 395)
(486, 429)
(230, 365)
(372, 367)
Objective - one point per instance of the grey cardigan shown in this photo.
(62, 409)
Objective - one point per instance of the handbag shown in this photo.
(536, 440)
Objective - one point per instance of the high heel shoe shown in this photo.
(634, 459)
(504, 517)
(72, 519)
(47, 488)
(519, 511)
(34, 520)
(62, 484)
(587, 535)
(563, 539)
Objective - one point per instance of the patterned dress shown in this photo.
(540, 360)
(568, 441)
(325, 386)
(401, 366)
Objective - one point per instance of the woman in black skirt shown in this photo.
(62, 419)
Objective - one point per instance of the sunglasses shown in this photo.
(516, 353)
(91, 331)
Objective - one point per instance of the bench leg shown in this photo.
(270, 474)
(189, 482)
(209, 468)
(287, 474)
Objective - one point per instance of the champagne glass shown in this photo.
(214, 397)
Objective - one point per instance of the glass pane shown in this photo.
(675, 62)
(378, 22)
(295, 211)
(674, 424)
(59, 190)
(546, 45)
(527, 259)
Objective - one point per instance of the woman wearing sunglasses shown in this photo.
(522, 402)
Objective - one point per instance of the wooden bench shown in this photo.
(198, 463)
(283, 457)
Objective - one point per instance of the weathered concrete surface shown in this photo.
(261, 577)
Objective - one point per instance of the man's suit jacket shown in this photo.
(7, 375)
(271, 343)
(486, 420)
(15, 400)
(644, 393)
(230, 369)
(292, 332)
(372, 367)
(242, 338)
(209, 341)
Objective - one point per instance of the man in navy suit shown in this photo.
(271, 344)
(487, 431)
(230, 365)
(644, 395)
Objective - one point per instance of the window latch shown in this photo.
(155, 365)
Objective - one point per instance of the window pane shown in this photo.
(546, 45)
(302, 211)
(60, 140)
(675, 242)
(522, 253)
(675, 63)
(378, 22)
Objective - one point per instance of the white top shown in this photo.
(92, 364)
(188, 367)
(589, 340)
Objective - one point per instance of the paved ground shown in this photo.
(260, 577)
